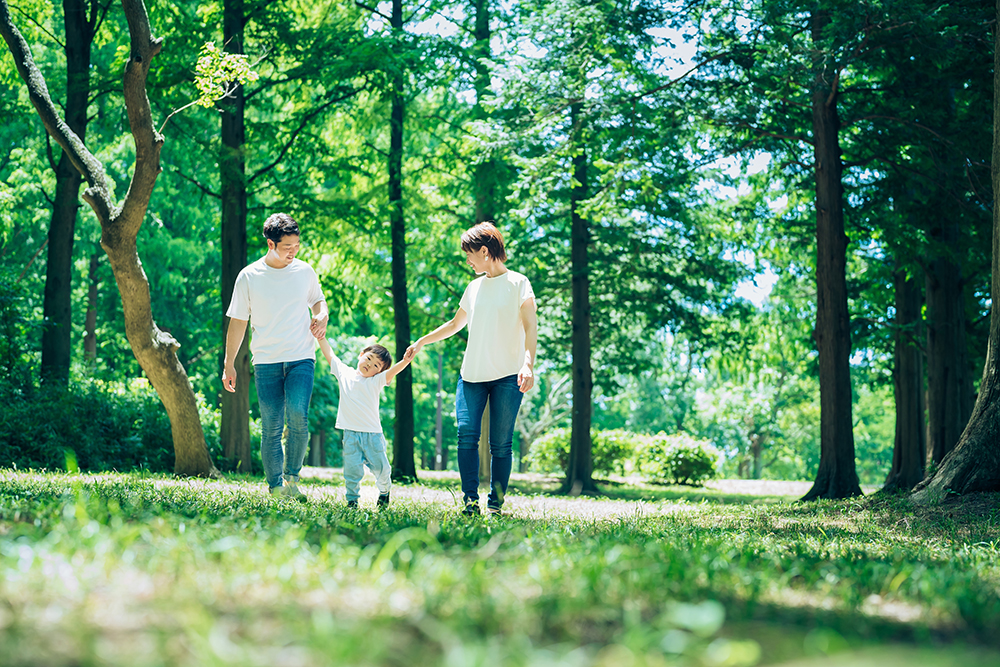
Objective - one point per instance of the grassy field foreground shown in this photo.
(144, 570)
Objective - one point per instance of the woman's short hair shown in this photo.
(280, 225)
(485, 235)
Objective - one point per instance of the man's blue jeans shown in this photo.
(470, 402)
(283, 392)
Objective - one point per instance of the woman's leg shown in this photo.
(270, 382)
(505, 401)
(470, 401)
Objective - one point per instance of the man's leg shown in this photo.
(270, 382)
(470, 401)
(354, 468)
(298, 389)
(505, 401)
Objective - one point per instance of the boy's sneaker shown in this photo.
(383, 501)
(352, 504)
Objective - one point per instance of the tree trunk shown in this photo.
(837, 476)
(317, 449)
(579, 477)
(949, 387)
(90, 324)
(439, 462)
(403, 464)
(234, 429)
(974, 464)
(57, 301)
(484, 182)
(155, 351)
(910, 449)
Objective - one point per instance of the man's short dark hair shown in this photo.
(485, 234)
(382, 354)
(279, 226)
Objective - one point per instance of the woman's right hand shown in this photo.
(413, 350)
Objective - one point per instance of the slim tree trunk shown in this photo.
(234, 430)
(974, 464)
(909, 450)
(403, 463)
(90, 323)
(56, 303)
(485, 177)
(837, 475)
(949, 387)
(155, 350)
(579, 476)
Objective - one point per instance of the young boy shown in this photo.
(357, 415)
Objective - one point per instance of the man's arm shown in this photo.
(234, 338)
(317, 327)
(446, 330)
(526, 376)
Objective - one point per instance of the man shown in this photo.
(276, 294)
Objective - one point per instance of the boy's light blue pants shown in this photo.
(365, 449)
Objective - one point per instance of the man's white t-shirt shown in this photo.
(496, 332)
(358, 409)
(277, 303)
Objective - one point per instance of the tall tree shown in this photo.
(234, 430)
(82, 19)
(910, 446)
(120, 224)
(974, 464)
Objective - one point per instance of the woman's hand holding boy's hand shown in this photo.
(410, 353)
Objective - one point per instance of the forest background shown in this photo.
(646, 162)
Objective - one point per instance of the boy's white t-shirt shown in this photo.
(277, 303)
(496, 332)
(358, 409)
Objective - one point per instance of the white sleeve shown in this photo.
(524, 292)
(315, 291)
(239, 303)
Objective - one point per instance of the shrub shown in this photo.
(611, 450)
(678, 459)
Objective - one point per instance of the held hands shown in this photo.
(412, 351)
(525, 378)
(317, 327)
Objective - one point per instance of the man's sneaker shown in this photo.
(383, 501)
(471, 508)
(494, 511)
(292, 489)
(352, 504)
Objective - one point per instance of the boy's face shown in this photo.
(285, 249)
(369, 365)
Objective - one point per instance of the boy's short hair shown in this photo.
(382, 354)
(485, 234)
(279, 225)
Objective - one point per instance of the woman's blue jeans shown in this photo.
(283, 392)
(470, 402)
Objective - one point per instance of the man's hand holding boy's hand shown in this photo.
(317, 327)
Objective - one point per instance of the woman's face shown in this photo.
(477, 259)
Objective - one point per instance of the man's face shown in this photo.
(285, 249)
(369, 365)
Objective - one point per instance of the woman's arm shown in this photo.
(446, 330)
(526, 376)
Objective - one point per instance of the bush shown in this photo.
(611, 450)
(94, 425)
(678, 459)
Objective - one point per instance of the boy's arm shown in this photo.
(324, 345)
(449, 328)
(399, 365)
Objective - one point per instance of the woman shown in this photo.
(499, 308)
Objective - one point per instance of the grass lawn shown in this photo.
(149, 570)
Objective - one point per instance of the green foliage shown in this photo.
(611, 450)
(679, 459)
(217, 72)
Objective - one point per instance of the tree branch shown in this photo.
(194, 182)
(371, 9)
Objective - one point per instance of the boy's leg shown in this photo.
(377, 461)
(298, 390)
(470, 401)
(270, 382)
(353, 465)
(505, 401)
